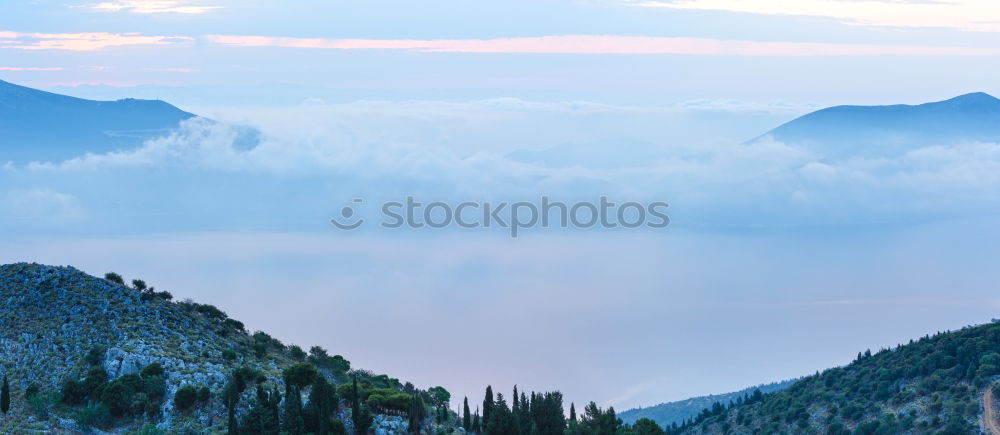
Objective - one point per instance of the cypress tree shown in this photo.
(466, 418)
(355, 404)
(5, 396)
(322, 399)
(488, 403)
(573, 429)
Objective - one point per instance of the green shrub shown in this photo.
(296, 353)
(153, 369)
(115, 278)
(96, 414)
(185, 397)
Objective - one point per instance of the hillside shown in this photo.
(931, 385)
(844, 131)
(41, 126)
(83, 353)
(666, 414)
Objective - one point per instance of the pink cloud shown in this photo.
(602, 44)
(21, 68)
(152, 7)
(88, 41)
(176, 70)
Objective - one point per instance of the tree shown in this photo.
(416, 413)
(645, 426)
(599, 422)
(185, 397)
(439, 396)
(235, 386)
(323, 398)
(115, 278)
(293, 423)
(262, 418)
(360, 415)
(487, 404)
(139, 284)
(501, 421)
(5, 396)
(300, 375)
(573, 428)
(466, 417)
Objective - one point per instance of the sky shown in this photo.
(780, 261)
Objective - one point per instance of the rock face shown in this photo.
(389, 425)
(51, 317)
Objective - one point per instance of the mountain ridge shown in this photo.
(868, 131)
(36, 125)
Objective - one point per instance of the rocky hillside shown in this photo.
(88, 354)
(934, 385)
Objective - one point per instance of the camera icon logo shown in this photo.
(347, 215)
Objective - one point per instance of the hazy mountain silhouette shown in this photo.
(887, 130)
(41, 126)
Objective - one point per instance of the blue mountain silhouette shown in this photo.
(41, 126)
(889, 130)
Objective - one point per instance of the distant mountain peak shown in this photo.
(849, 131)
(36, 125)
(972, 100)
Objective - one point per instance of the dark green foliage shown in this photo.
(263, 416)
(466, 416)
(300, 375)
(599, 422)
(337, 364)
(439, 396)
(235, 325)
(296, 353)
(322, 402)
(153, 369)
(95, 356)
(941, 376)
(229, 355)
(292, 423)
(115, 278)
(235, 386)
(95, 414)
(5, 396)
(645, 426)
(501, 420)
(31, 391)
(488, 404)
(129, 395)
(185, 397)
(210, 311)
(417, 413)
(360, 414)
(204, 394)
(139, 284)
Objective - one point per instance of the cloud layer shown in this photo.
(307, 161)
(603, 44)
(971, 15)
(86, 41)
(152, 7)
